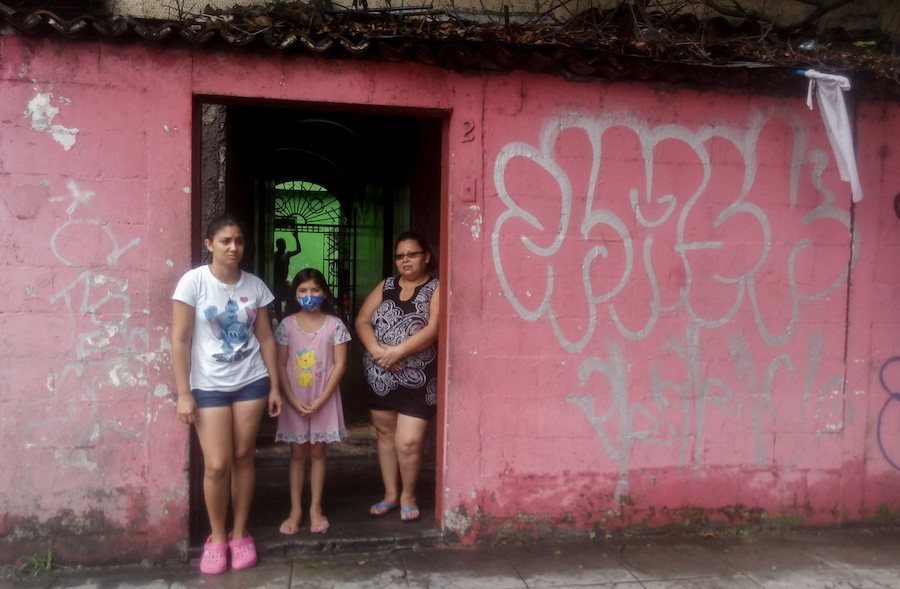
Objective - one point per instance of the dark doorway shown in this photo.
(343, 183)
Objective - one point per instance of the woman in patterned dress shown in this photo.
(398, 327)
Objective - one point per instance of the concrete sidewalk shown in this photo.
(858, 557)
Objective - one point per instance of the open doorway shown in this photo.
(330, 189)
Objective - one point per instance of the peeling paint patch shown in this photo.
(161, 391)
(457, 520)
(474, 220)
(170, 263)
(121, 375)
(74, 458)
(42, 114)
(186, 189)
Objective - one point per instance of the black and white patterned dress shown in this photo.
(413, 389)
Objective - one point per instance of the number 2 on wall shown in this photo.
(468, 132)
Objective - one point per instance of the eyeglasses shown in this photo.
(410, 255)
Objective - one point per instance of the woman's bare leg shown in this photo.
(214, 433)
(317, 453)
(247, 416)
(385, 423)
(297, 478)
(410, 445)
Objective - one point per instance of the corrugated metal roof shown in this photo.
(595, 49)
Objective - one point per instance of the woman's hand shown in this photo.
(308, 409)
(295, 404)
(182, 334)
(390, 357)
(314, 406)
(187, 409)
(274, 403)
(377, 351)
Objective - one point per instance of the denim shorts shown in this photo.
(258, 389)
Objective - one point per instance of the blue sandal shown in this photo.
(406, 514)
(380, 509)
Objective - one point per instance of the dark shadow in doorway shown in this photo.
(353, 483)
(385, 168)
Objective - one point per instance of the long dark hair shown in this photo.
(220, 222)
(291, 306)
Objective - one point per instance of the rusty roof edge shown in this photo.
(460, 54)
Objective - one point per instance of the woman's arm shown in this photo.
(364, 330)
(284, 378)
(334, 378)
(262, 329)
(182, 336)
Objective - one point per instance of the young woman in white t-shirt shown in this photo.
(224, 359)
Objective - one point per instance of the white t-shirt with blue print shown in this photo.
(224, 350)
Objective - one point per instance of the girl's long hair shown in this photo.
(219, 222)
(291, 306)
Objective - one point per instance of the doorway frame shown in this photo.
(196, 515)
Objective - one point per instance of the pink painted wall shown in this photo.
(679, 318)
(655, 310)
(94, 182)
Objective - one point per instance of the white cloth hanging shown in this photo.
(830, 94)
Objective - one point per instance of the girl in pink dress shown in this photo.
(312, 357)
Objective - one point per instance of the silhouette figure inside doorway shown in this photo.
(282, 264)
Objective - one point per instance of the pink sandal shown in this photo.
(243, 553)
(215, 558)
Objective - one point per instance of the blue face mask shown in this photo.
(310, 302)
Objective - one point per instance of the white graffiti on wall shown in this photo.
(42, 114)
(106, 351)
(671, 209)
(619, 251)
(77, 197)
(678, 413)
